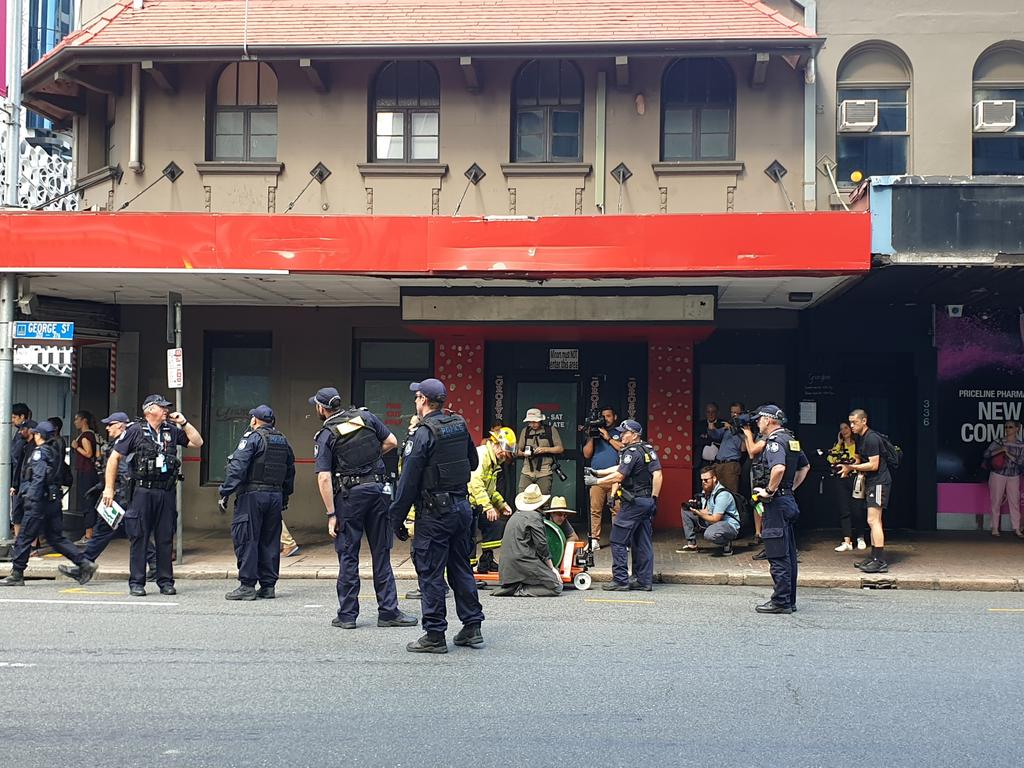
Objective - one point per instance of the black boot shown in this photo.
(71, 571)
(16, 579)
(470, 636)
(86, 571)
(432, 642)
(241, 592)
(486, 563)
(266, 593)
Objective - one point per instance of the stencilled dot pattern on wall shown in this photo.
(670, 402)
(460, 365)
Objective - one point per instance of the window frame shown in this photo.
(1015, 135)
(843, 182)
(548, 133)
(407, 113)
(698, 108)
(224, 340)
(216, 109)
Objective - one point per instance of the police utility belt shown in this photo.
(351, 481)
(265, 487)
(160, 484)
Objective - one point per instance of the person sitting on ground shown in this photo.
(717, 516)
(558, 512)
(526, 569)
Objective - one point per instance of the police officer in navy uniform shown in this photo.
(351, 476)
(152, 444)
(639, 476)
(436, 466)
(774, 475)
(116, 423)
(261, 474)
(40, 493)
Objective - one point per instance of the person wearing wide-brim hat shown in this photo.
(538, 445)
(558, 512)
(526, 569)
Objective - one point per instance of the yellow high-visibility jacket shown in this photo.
(483, 482)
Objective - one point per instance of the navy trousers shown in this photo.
(364, 509)
(633, 531)
(780, 546)
(103, 534)
(442, 542)
(256, 534)
(42, 518)
(152, 512)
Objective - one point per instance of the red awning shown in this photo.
(615, 246)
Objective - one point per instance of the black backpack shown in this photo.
(744, 514)
(891, 452)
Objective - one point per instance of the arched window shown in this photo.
(698, 107)
(873, 129)
(999, 76)
(407, 116)
(245, 113)
(547, 113)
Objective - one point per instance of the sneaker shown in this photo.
(845, 547)
(995, 533)
(1019, 534)
(470, 636)
(862, 563)
(595, 546)
(875, 566)
(690, 546)
(414, 594)
(81, 542)
(757, 540)
(401, 620)
(861, 544)
(725, 551)
(290, 551)
(762, 555)
(431, 642)
(241, 592)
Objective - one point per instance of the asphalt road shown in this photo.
(681, 676)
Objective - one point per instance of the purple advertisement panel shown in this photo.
(980, 390)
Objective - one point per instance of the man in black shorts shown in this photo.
(877, 486)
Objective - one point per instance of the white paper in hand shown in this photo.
(111, 515)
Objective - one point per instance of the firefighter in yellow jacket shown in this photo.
(490, 511)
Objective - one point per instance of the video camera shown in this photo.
(837, 460)
(594, 423)
(742, 420)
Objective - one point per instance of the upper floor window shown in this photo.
(49, 22)
(873, 128)
(998, 146)
(547, 113)
(245, 113)
(407, 116)
(698, 98)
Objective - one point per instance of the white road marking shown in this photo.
(312, 606)
(85, 602)
(15, 664)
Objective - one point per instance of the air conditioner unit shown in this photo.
(995, 116)
(860, 116)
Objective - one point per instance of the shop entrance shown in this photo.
(565, 381)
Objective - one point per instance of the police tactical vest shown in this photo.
(270, 464)
(448, 467)
(356, 447)
(145, 461)
(640, 481)
(48, 455)
(123, 486)
(780, 440)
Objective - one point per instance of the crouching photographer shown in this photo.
(714, 512)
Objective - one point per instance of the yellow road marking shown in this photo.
(84, 591)
(606, 600)
(1006, 610)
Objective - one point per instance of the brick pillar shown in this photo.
(459, 363)
(670, 423)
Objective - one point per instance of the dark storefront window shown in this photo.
(236, 379)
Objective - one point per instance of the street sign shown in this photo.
(34, 329)
(175, 369)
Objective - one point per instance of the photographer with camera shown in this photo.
(539, 443)
(852, 512)
(715, 512)
(877, 486)
(604, 441)
(731, 447)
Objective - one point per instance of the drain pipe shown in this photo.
(810, 112)
(135, 121)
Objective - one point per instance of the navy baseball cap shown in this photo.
(160, 400)
(328, 397)
(45, 428)
(432, 389)
(263, 413)
(630, 425)
(119, 417)
(771, 411)
(29, 424)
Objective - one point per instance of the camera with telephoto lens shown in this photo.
(594, 423)
(694, 503)
(557, 469)
(742, 420)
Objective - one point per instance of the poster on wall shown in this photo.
(980, 356)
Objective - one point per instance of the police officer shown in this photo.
(40, 493)
(774, 475)
(261, 472)
(152, 444)
(639, 475)
(116, 423)
(20, 447)
(351, 475)
(436, 466)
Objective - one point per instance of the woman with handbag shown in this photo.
(845, 452)
(1003, 460)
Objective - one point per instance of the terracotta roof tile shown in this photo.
(375, 23)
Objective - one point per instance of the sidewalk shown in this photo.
(946, 561)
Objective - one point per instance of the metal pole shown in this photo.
(8, 294)
(178, 490)
(14, 102)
